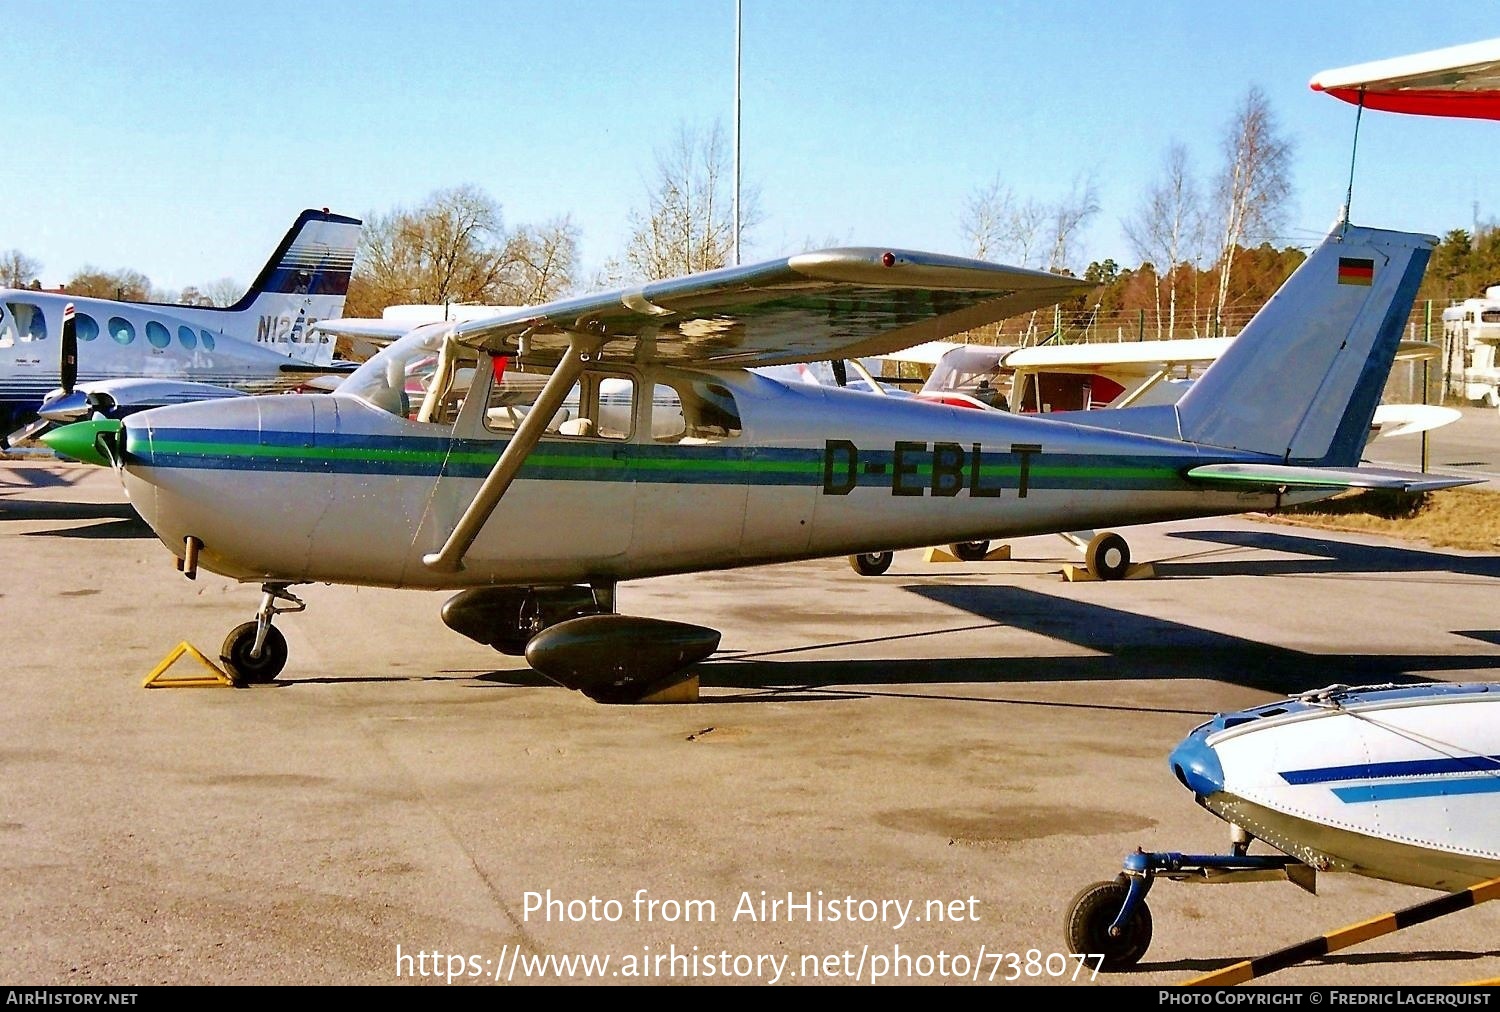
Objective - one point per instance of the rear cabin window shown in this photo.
(600, 406)
(186, 337)
(693, 411)
(121, 329)
(158, 335)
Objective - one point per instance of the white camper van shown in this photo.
(1471, 337)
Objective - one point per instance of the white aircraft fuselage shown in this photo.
(127, 340)
(1391, 782)
(535, 459)
(348, 492)
(265, 342)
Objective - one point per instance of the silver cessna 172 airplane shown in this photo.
(118, 357)
(535, 512)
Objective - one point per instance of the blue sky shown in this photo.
(182, 138)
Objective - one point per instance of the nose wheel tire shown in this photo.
(1108, 556)
(253, 670)
(1091, 913)
(872, 563)
(970, 551)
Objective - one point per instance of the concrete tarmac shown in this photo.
(978, 741)
(1467, 448)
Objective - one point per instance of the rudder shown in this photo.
(1303, 379)
(305, 280)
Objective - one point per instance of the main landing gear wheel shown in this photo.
(1090, 915)
(237, 654)
(872, 563)
(1108, 556)
(970, 551)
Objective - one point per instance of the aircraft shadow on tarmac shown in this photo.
(1128, 645)
(1315, 556)
(37, 477)
(1125, 645)
(127, 523)
(1346, 959)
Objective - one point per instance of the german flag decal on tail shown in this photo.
(1356, 271)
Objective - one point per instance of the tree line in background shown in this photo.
(1207, 249)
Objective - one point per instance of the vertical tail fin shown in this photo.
(305, 280)
(1303, 379)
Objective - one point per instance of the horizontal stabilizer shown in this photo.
(1289, 476)
(380, 331)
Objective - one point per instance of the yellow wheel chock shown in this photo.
(217, 677)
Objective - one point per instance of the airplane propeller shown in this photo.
(69, 367)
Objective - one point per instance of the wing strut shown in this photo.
(450, 558)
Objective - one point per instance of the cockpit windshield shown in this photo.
(21, 321)
(397, 379)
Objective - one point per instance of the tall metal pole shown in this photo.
(1426, 379)
(737, 132)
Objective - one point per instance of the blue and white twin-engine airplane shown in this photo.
(118, 357)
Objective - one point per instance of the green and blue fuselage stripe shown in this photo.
(604, 460)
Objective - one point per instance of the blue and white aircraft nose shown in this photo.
(1195, 763)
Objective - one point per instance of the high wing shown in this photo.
(1458, 81)
(1126, 358)
(927, 353)
(1120, 356)
(831, 304)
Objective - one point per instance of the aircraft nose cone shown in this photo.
(65, 407)
(1196, 765)
(86, 442)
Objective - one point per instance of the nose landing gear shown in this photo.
(1111, 918)
(255, 652)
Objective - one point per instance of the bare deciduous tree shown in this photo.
(999, 226)
(987, 219)
(1167, 229)
(687, 225)
(545, 258)
(17, 270)
(455, 249)
(1066, 218)
(126, 284)
(222, 292)
(1254, 184)
(1027, 233)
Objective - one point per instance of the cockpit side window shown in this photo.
(30, 324)
(599, 406)
(697, 410)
